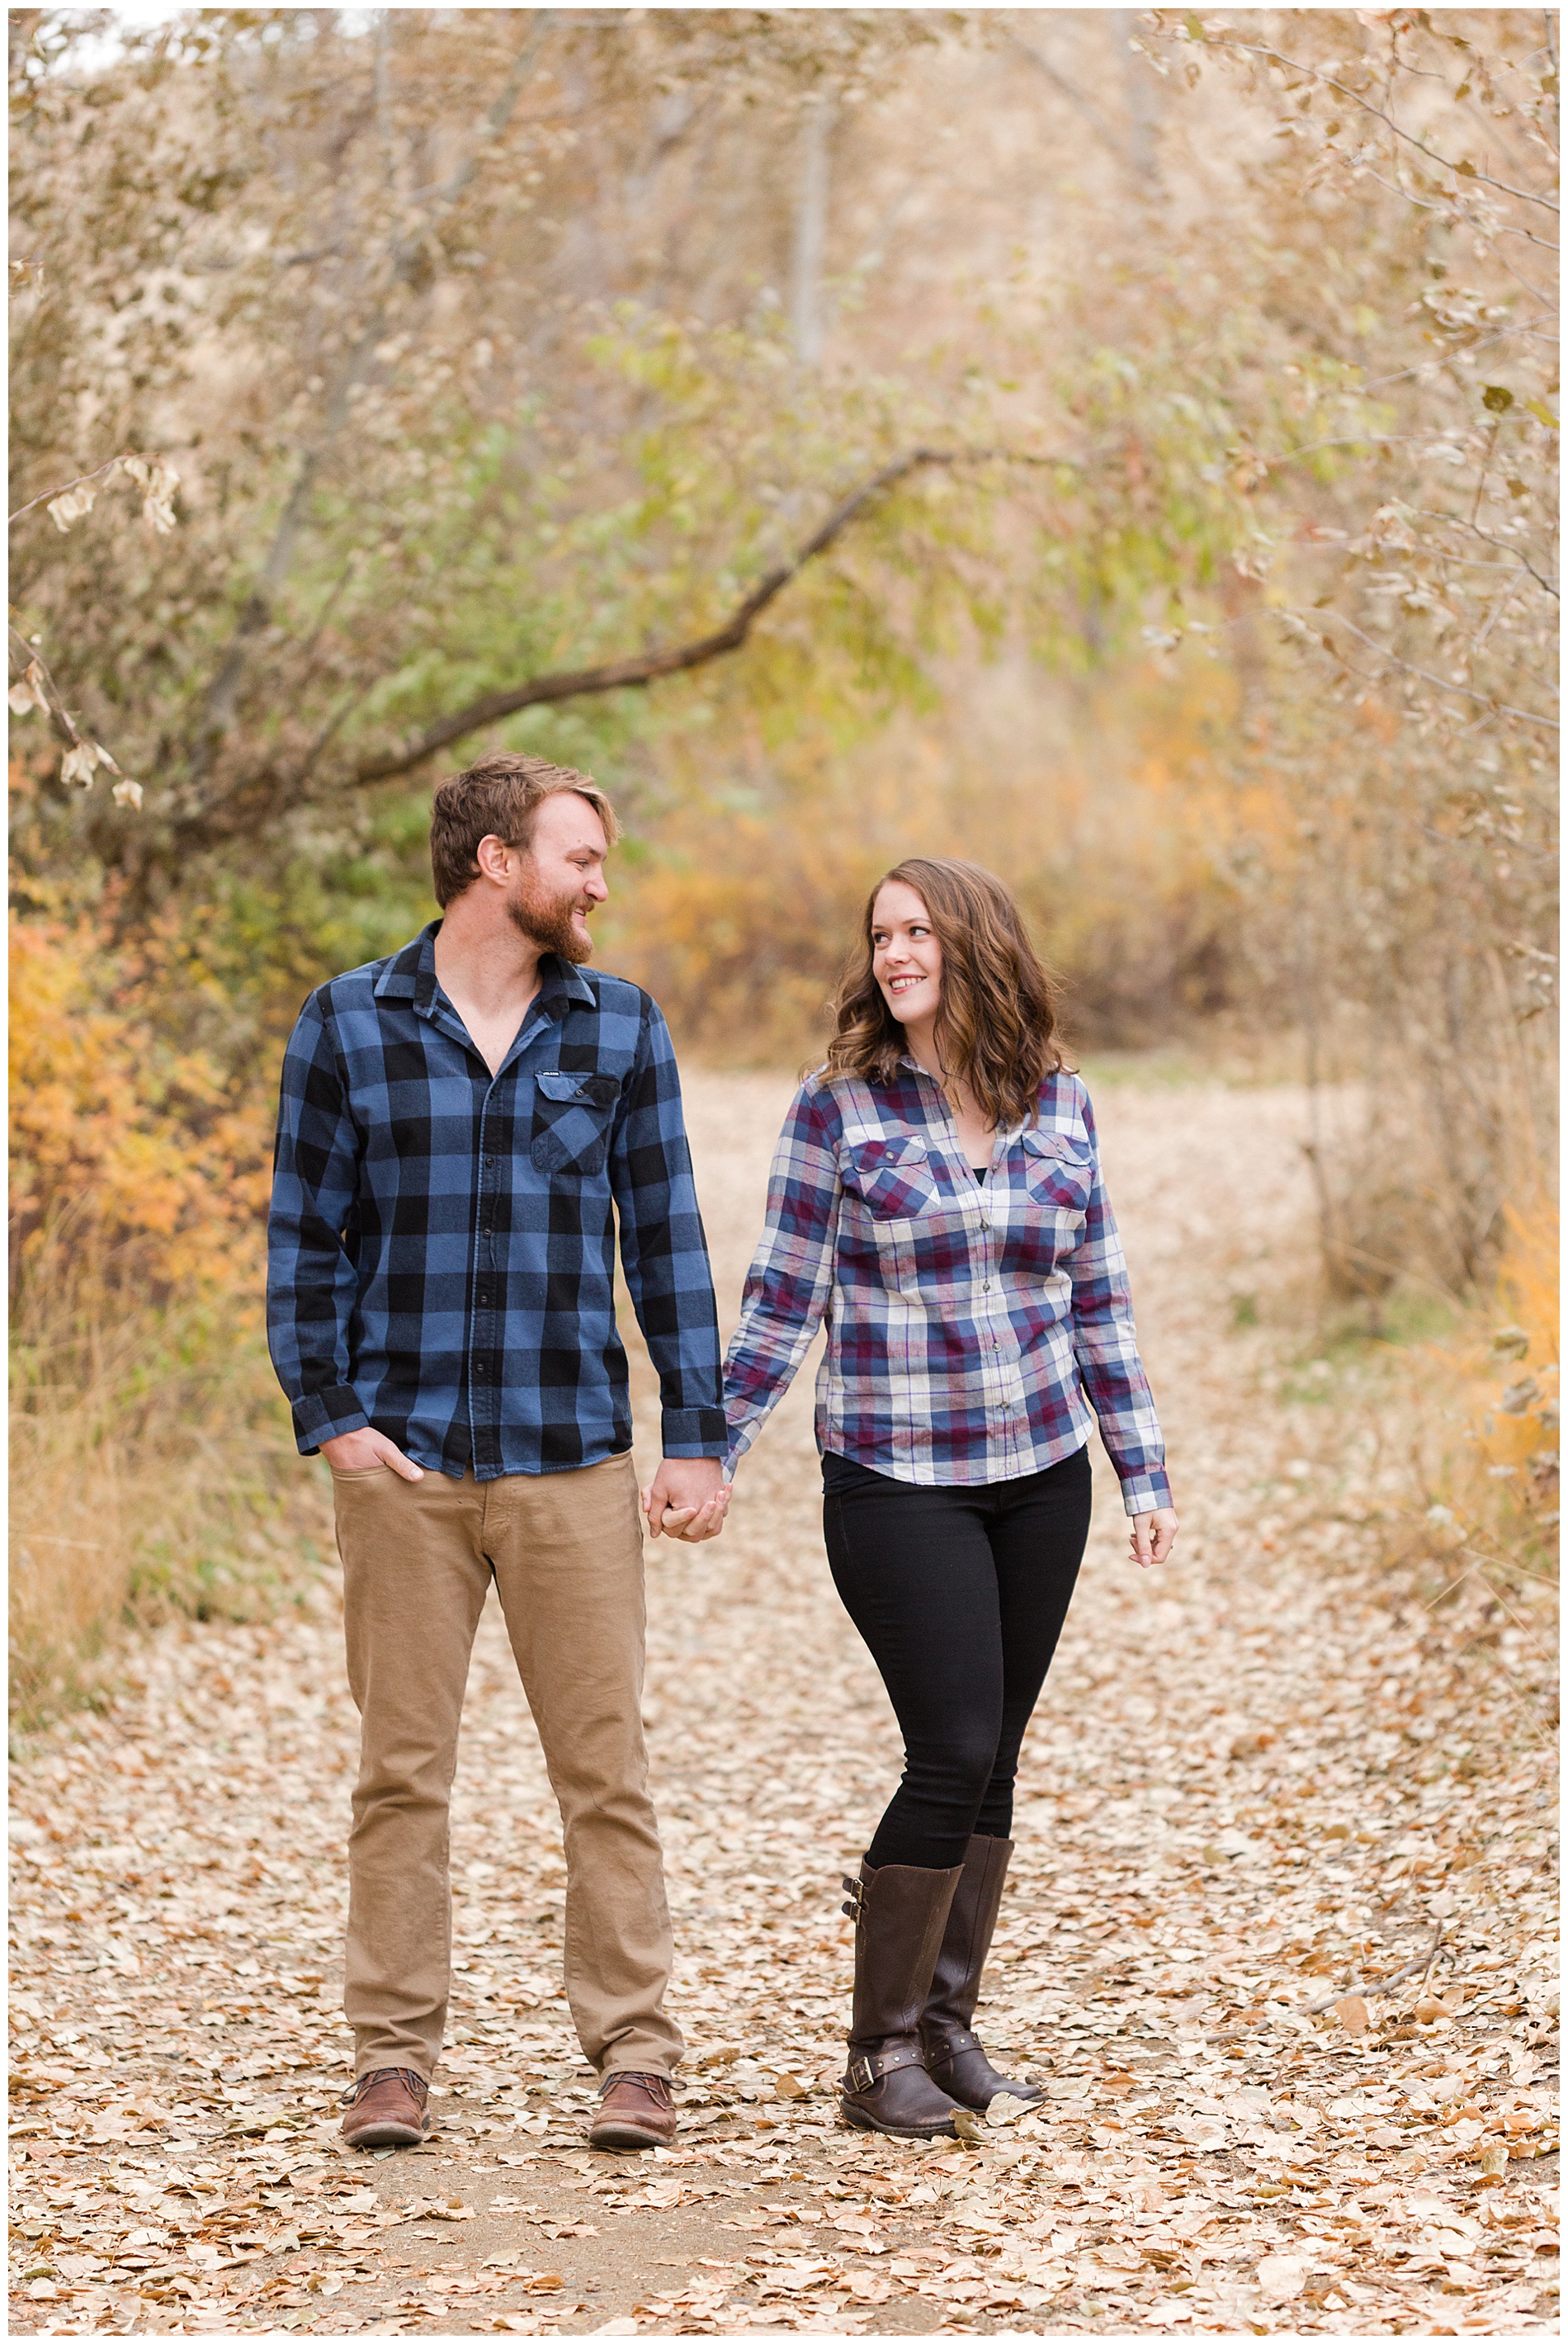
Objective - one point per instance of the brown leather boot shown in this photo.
(635, 2111)
(953, 2056)
(387, 2110)
(899, 1910)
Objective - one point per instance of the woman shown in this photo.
(936, 1196)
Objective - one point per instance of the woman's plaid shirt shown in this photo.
(972, 1326)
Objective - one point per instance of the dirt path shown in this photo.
(1252, 1784)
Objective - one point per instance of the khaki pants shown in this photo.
(566, 1550)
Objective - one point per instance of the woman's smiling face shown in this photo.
(905, 957)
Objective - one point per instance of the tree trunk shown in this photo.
(811, 231)
(1142, 95)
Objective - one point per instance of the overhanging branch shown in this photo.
(649, 667)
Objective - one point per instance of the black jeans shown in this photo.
(960, 1595)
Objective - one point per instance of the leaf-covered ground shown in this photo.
(1257, 1786)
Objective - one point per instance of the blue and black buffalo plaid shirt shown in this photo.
(442, 1241)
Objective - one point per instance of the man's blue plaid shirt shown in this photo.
(443, 1242)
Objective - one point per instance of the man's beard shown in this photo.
(546, 921)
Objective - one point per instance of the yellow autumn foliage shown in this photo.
(130, 1158)
(1493, 1435)
(152, 1467)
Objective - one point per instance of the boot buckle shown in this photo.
(854, 1909)
(867, 2068)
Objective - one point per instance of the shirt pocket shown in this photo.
(891, 1177)
(572, 1120)
(1058, 1172)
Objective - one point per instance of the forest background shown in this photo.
(1117, 446)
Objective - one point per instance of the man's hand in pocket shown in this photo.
(356, 1452)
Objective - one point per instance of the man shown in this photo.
(459, 1125)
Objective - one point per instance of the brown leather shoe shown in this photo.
(634, 2112)
(387, 2110)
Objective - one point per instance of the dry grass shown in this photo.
(1417, 1152)
(153, 1474)
(1488, 1437)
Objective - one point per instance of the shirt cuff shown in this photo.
(694, 1433)
(1142, 1493)
(323, 1415)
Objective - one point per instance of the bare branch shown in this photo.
(65, 490)
(1422, 1961)
(1471, 350)
(1350, 440)
(650, 667)
(499, 114)
(1342, 89)
(1312, 620)
(38, 688)
(27, 655)
(1074, 97)
(1499, 545)
(1449, 210)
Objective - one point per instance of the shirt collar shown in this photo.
(560, 982)
(1005, 1132)
(410, 976)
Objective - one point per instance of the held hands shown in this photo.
(686, 1500)
(356, 1452)
(1153, 1536)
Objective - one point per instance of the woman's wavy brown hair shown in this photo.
(996, 1026)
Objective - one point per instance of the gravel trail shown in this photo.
(1258, 1783)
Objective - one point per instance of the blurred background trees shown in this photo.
(497, 346)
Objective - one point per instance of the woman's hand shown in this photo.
(686, 1500)
(690, 1524)
(1153, 1536)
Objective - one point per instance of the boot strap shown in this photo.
(867, 2068)
(948, 2042)
(854, 1909)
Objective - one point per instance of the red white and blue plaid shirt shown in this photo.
(972, 1326)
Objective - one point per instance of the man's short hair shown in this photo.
(498, 797)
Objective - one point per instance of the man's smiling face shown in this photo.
(559, 880)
